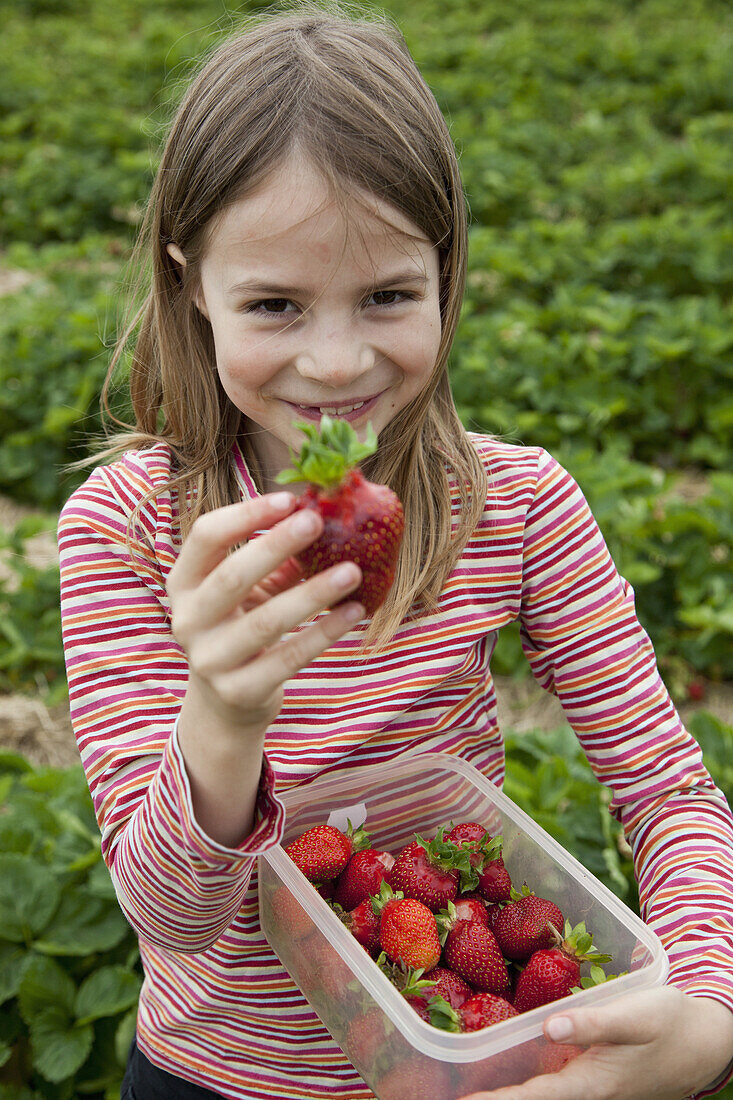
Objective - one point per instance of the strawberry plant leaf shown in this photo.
(58, 1047)
(106, 992)
(29, 896)
(13, 960)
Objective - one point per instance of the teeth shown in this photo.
(334, 411)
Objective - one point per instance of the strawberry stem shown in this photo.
(329, 452)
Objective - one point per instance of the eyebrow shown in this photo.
(276, 290)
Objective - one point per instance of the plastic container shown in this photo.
(397, 1053)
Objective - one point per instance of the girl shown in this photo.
(307, 236)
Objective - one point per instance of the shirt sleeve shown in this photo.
(127, 677)
(584, 643)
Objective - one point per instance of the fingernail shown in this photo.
(559, 1028)
(354, 613)
(280, 501)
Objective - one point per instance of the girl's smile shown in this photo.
(314, 312)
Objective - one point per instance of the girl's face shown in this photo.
(314, 313)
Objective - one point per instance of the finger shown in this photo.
(234, 643)
(283, 660)
(630, 1020)
(574, 1082)
(283, 578)
(214, 533)
(228, 586)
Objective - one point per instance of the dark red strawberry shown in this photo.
(427, 871)
(411, 984)
(363, 923)
(363, 522)
(362, 876)
(494, 882)
(472, 951)
(526, 924)
(554, 972)
(476, 1012)
(443, 983)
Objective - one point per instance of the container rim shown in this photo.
(445, 1045)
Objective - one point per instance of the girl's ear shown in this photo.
(175, 253)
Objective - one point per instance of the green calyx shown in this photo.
(386, 893)
(329, 452)
(359, 837)
(597, 976)
(405, 979)
(578, 943)
(449, 856)
(443, 1015)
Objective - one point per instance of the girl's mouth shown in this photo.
(352, 412)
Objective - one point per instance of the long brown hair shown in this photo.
(343, 88)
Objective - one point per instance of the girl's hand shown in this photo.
(230, 613)
(657, 1043)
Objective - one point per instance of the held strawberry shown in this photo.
(363, 521)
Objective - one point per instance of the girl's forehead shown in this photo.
(296, 207)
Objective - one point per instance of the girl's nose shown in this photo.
(335, 363)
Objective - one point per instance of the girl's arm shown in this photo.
(584, 643)
(180, 829)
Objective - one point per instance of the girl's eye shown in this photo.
(390, 297)
(269, 305)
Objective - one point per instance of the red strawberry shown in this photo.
(524, 925)
(553, 972)
(363, 522)
(443, 983)
(472, 907)
(408, 933)
(467, 832)
(472, 951)
(415, 1079)
(494, 882)
(363, 923)
(362, 876)
(290, 914)
(555, 1056)
(427, 872)
(322, 852)
(414, 988)
(476, 1012)
(366, 1037)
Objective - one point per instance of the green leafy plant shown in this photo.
(31, 650)
(70, 974)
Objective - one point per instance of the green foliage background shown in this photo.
(596, 142)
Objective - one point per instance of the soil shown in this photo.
(44, 736)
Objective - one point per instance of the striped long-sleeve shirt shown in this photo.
(217, 1007)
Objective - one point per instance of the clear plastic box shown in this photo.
(397, 1053)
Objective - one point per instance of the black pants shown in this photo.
(144, 1081)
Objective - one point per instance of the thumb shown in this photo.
(628, 1020)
